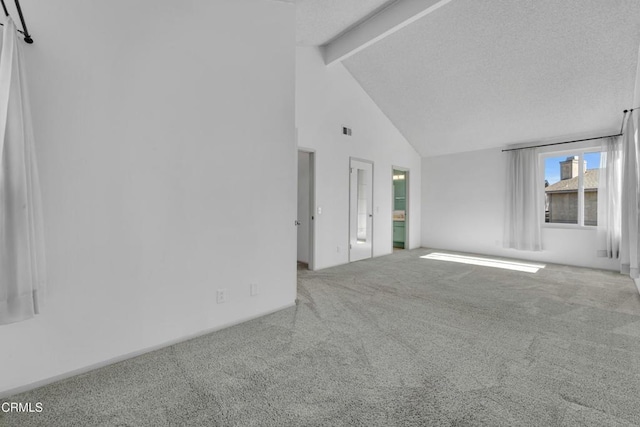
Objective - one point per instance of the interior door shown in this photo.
(306, 207)
(360, 210)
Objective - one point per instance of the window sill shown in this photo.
(569, 226)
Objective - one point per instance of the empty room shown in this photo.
(320, 212)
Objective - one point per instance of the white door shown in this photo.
(360, 210)
(306, 207)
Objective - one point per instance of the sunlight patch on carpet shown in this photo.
(486, 262)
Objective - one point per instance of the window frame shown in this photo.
(579, 150)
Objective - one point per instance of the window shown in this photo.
(571, 188)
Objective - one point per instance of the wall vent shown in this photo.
(346, 131)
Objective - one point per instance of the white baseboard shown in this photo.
(111, 361)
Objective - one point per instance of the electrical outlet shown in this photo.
(253, 289)
(221, 296)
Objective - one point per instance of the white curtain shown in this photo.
(629, 249)
(609, 198)
(524, 201)
(22, 275)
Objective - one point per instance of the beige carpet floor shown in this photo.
(393, 341)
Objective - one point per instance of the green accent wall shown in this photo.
(399, 204)
(399, 195)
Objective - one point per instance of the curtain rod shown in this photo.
(576, 140)
(24, 31)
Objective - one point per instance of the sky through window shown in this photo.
(552, 165)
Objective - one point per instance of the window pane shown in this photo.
(591, 176)
(561, 189)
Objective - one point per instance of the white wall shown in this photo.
(463, 210)
(328, 98)
(165, 137)
(304, 215)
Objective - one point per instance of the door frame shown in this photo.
(373, 217)
(407, 200)
(312, 205)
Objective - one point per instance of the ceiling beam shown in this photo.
(386, 22)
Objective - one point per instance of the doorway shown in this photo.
(400, 208)
(306, 206)
(360, 209)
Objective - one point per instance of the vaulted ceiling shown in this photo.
(461, 75)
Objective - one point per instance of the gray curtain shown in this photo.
(629, 246)
(523, 201)
(22, 276)
(609, 198)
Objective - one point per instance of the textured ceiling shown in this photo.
(481, 74)
(319, 21)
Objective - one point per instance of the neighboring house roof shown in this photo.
(590, 183)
